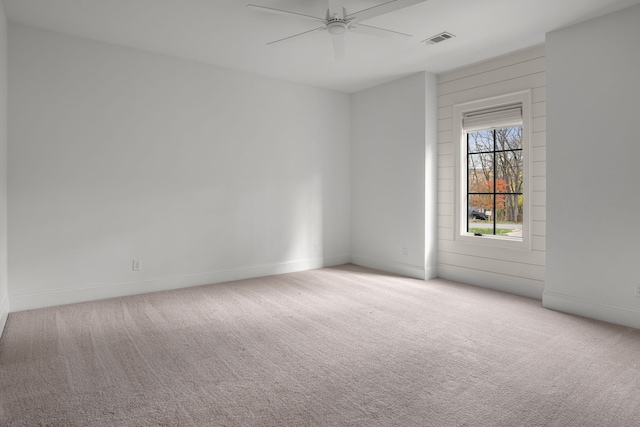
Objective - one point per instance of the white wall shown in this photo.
(203, 174)
(393, 176)
(4, 299)
(593, 96)
(519, 271)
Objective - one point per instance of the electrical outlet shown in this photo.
(316, 248)
(638, 290)
(136, 265)
(405, 252)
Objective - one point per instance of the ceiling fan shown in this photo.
(338, 21)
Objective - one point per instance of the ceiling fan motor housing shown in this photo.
(337, 27)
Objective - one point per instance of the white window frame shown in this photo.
(460, 142)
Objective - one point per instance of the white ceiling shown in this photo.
(227, 34)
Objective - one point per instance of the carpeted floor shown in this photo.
(343, 346)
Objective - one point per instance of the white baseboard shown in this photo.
(607, 313)
(4, 313)
(31, 301)
(491, 281)
(408, 270)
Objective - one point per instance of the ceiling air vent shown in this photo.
(439, 38)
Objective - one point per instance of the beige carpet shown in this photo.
(341, 346)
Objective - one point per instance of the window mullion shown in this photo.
(494, 212)
(468, 182)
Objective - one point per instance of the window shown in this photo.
(494, 180)
(493, 170)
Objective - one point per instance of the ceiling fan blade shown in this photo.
(379, 32)
(381, 9)
(336, 8)
(296, 35)
(284, 12)
(338, 46)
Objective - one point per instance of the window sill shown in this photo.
(489, 240)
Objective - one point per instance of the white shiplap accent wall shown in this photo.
(511, 270)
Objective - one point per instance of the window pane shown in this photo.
(480, 141)
(509, 138)
(485, 228)
(509, 208)
(509, 172)
(479, 219)
(480, 173)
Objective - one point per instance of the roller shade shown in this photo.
(508, 115)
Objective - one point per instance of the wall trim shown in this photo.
(4, 313)
(491, 281)
(595, 310)
(36, 300)
(408, 270)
